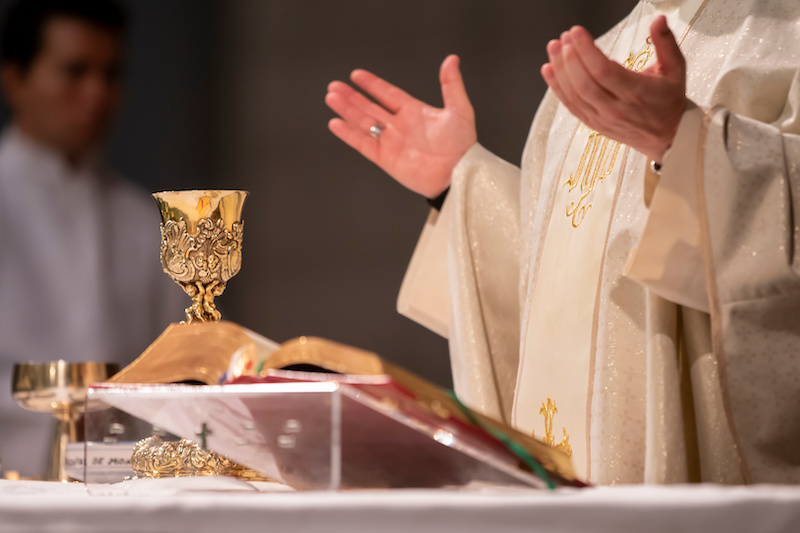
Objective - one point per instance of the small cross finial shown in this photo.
(203, 434)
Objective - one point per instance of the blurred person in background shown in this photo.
(80, 278)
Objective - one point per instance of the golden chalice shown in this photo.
(201, 244)
(58, 388)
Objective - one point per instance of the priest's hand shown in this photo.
(419, 145)
(642, 110)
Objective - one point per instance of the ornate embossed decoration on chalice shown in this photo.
(201, 244)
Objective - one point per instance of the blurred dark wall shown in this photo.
(229, 93)
(167, 134)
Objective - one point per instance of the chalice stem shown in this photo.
(203, 308)
(209, 307)
(65, 432)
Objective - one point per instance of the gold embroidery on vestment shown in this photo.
(600, 154)
(549, 411)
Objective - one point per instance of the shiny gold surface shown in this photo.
(154, 458)
(201, 244)
(331, 356)
(549, 411)
(58, 388)
(201, 351)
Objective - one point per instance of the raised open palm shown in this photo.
(420, 144)
(640, 109)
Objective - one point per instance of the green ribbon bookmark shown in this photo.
(513, 447)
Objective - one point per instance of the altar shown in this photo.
(216, 428)
(29, 506)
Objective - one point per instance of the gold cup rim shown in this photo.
(175, 191)
(193, 205)
(56, 385)
(48, 374)
(31, 362)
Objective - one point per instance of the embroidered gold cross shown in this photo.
(600, 154)
(549, 411)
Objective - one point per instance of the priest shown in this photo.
(631, 292)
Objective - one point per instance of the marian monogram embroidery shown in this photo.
(599, 156)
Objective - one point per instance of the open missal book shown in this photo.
(315, 414)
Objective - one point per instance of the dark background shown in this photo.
(229, 94)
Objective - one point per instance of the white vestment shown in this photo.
(80, 278)
(659, 314)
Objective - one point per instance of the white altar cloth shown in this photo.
(28, 506)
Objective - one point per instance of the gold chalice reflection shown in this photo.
(58, 388)
(201, 244)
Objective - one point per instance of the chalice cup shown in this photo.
(58, 388)
(201, 244)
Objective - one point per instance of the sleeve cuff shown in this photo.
(668, 259)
